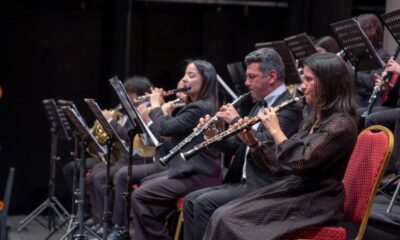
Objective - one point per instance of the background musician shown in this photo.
(310, 165)
(388, 114)
(265, 75)
(135, 86)
(140, 171)
(372, 27)
(157, 195)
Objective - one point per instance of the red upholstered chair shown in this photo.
(361, 181)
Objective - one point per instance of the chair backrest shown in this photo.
(366, 167)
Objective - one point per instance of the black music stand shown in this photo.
(76, 159)
(87, 140)
(292, 76)
(113, 142)
(392, 22)
(359, 50)
(301, 46)
(238, 76)
(139, 127)
(59, 130)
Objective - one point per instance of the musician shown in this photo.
(373, 29)
(157, 195)
(135, 86)
(140, 171)
(265, 74)
(388, 113)
(309, 166)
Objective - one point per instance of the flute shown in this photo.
(166, 94)
(174, 151)
(232, 131)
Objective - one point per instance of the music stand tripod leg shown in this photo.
(49, 202)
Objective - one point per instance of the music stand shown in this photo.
(113, 141)
(301, 46)
(292, 76)
(358, 48)
(238, 76)
(60, 129)
(139, 127)
(76, 158)
(392, 22)
(87, 140)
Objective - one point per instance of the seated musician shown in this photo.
(388, 113)
(135, 86)
(157, 195)
(142, 169)
(309, 165)
(265, 74)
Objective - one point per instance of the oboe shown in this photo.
(232, 131)
(164, 160)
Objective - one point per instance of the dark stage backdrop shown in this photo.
(69, 48)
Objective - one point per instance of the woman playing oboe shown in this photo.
(310, 164)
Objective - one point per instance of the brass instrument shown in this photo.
(166, 94)
(232, 131)
(98, 131)
(101, 136)
(164, 160)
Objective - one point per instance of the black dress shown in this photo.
(310, 192)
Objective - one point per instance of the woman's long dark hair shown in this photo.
(333, 85)
(209, 84)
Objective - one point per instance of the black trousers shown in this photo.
(390, 118)
(156, 198)
(139, 171)
(199, 205)
(68, 170)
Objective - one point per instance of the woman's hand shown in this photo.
(156, 97)
(168, 108)
(271, 123)
(209, 132)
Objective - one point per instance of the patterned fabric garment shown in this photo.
(309, 193)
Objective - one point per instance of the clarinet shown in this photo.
(379, 88)
(232, 131)
(174, 151)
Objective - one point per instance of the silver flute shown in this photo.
(174, 151)
(232, 131)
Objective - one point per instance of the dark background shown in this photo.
(69, 49)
